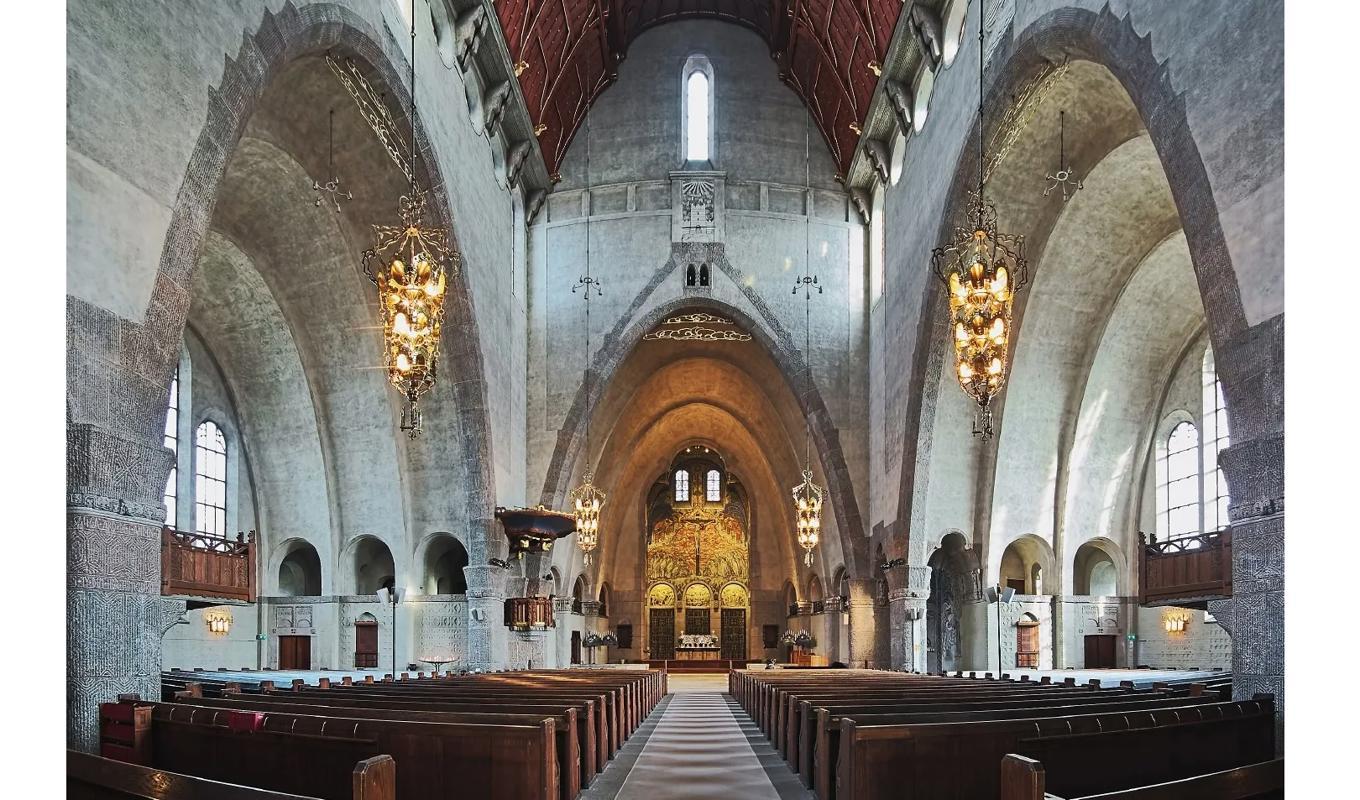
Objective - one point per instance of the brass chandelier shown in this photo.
(807, 496)
(411, 264)
(587, 499)
(982, 269)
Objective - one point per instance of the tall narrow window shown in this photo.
(1178, 483)
(713, 486)
(681, 485)
(171, 441)
(210, 480)
(1215, 426)
(698, 110)
(877, 247)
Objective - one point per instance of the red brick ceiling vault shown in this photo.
(567, 51)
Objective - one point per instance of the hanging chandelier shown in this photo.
(982, 269)
(807, 502)
(807, 496)
(411, 264)
(587, 499)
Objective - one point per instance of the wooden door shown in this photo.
(661, 633)
(576, 647)
(365, 645)
(734, 633)
(295, 652)
(1027, 646)
(1100, 652)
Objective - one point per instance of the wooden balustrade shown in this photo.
(204, 565)
(1186, 571)
(529, 613)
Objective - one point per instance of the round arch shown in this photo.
(294, 569)
(1070, 35)
(621, 342)
(281, 39)
(1027, 560)
(1099, 568)
(441, 558)
(370, 565)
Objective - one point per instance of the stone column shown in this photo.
(834, 607)
(1251, 366)
(908, 590)
(863, 625)
(590, 612)
(562, 619)
(114, 611)
(487, 636)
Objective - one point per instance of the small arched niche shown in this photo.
(1027, 566)
(1095, 570)
(373, 566)
(300, 571)
(445, 558)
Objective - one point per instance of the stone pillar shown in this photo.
(1251, 366)
(832, 622)
(562, 619)
(863, 625)
(487, 636)
(114, 611)
(908, 590)
(590, 612)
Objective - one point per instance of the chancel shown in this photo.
(637, 399)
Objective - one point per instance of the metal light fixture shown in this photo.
(218, 621)
(587, 499)
(982, 269)
(807, 496)
(1065, 176)
(332, 184)
(411, 264)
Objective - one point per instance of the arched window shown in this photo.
(681, 485)
(713, 486)
(1215, 426)
(877, 247)
(210, 479)
(1178, 476)
(697, 88)
(171, 442)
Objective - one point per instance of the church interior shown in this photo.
(664, 399)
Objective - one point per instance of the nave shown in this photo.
(628, 734)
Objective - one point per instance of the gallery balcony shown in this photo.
(205, 570)
(1186, 571)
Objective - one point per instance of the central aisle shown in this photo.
(702, 746)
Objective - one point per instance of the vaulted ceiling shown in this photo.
(567, 51)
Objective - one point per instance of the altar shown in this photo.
(698, 647)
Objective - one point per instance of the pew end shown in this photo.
(1022, 778)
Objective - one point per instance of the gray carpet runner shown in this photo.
(702, 746)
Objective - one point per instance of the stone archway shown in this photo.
(624, 339)
(115, 513)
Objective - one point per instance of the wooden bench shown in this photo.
(949, 760)
(1025, 779)
(91, 777)
(441, 761)
(823, 752)
(573, 775)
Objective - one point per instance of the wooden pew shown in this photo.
(438, 761)
(573, 775)
(91, 777)
(938, 761)
(818, 760)
(1025, 779)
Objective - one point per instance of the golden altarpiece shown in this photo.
(698, 561)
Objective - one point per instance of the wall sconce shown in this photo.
(1174, 623)
(218, 622)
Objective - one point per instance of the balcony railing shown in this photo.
(204, 565)
(1187, 570)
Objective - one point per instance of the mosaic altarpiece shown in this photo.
(698, 566)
